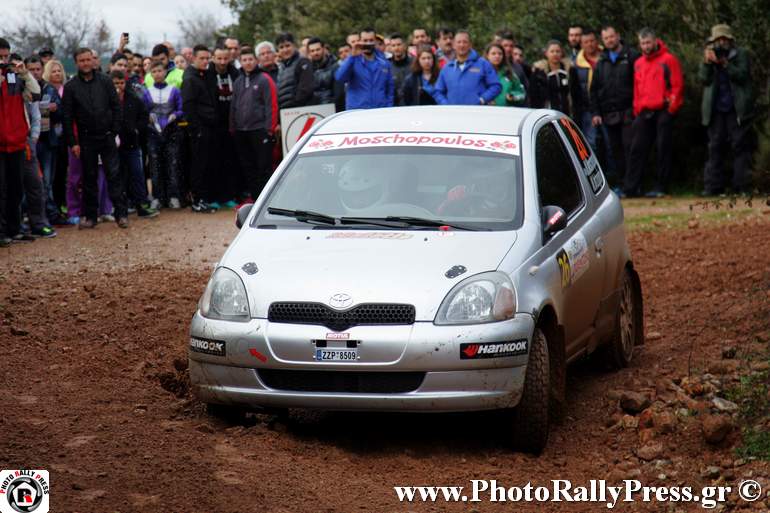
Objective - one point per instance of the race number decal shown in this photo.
(573, 260)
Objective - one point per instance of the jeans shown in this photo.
(164, 156)
(649, 127)
(46, 156)
(132, 170)
(34, 191)
(591, 132)
(202, 140)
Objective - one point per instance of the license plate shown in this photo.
(336, 355)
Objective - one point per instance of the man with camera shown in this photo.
(368, 75)
(727, 110)
(15, 83)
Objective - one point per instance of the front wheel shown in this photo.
(530, 417)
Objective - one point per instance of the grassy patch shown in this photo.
(680, 220)
(751, 395)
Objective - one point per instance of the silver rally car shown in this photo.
(422, 259)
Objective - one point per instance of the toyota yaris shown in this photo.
(422, 259)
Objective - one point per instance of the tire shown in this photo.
(531, 416)
(628, 324)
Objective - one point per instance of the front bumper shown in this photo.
(449, 383)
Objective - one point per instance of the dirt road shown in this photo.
(93, 386)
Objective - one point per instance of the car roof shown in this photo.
(429, 118)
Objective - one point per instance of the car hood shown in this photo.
(370, 266)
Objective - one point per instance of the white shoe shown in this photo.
(174, 203)
(107, 218)
(155, 204)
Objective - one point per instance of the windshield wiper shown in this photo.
(391, 221)
(303, 215)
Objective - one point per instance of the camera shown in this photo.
(720, 52)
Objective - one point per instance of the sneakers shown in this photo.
(202, 207)
(73, 220)
(86, 223)
(22, 237)
(46, 232)
(155, 204)
(5, 241)
(215, 205)
(174, 203)
(146, 211)
(122, 222)
(230, 204)
(131, 210)
(654, 194)
(107, 218)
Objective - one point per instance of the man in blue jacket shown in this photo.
(368, 75)
(468, 79)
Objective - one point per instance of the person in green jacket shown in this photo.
(513, 93)
(173, 74)
(727, 111)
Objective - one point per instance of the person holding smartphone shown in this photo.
(368, 75)
(15, 83)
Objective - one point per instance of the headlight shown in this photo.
(486, 297)
(225, 297)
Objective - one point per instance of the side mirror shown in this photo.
(243, 214)
(554, 219)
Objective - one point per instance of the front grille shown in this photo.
(340, 320)
(341, 381)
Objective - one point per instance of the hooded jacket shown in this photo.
(13, 121)
(370, 83)
(469, 84)
(400, 69)
(174, 76)
(254, 105)
(93, 105)
(739, 75)
(612, 88)
(658, 82)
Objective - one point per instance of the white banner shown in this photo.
(296, 121)
(508, 144)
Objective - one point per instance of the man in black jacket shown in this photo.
(223, 183)
(401, 63)
(295, 74)
(324, 66)
(91, 102)
(199, 104)
(612, 96)
(133, 123)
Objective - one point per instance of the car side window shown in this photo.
(557, 180)
(585, 156)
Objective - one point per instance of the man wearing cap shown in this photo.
(727, 110)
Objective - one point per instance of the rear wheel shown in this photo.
(628, 326)
(530, 417)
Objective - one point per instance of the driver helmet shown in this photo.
(362, 184)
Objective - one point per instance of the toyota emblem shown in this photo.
(341, 300)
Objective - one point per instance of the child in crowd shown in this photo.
(164, 103)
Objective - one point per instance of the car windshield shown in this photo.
(402, 187)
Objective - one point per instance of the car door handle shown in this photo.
(599, 245)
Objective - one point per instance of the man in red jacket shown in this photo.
(658, 89)
(15, 82)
